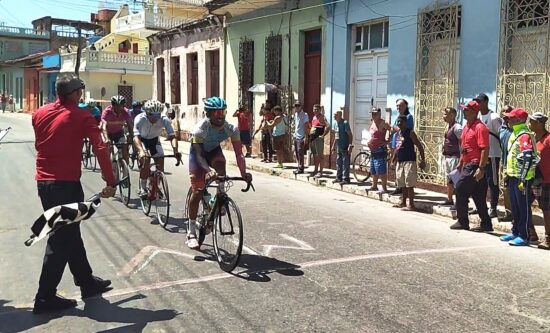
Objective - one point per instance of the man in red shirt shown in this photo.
(243, 120)
(60, 129)
(474, 146)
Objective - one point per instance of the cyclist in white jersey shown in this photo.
(147, 128)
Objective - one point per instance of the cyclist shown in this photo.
(91, 107)
(147, 127)
(206, 152)
(137, 108)
(113, 119)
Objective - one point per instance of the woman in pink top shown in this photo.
(379, 150)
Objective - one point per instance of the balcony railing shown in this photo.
(23, 32)
(101, 60)
(147, 20)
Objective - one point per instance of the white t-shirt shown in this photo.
(147, 130)
(493, 123)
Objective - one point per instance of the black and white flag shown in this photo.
(58, 216)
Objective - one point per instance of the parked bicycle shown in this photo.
(361, 165)
(157, 191)
(89, 159)
(221, 216)
(122, 171)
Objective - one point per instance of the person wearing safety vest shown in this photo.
(521, 163)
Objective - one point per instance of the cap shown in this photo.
(517, 113)
(539, 116)
(66, 84)
(481, 97)
(297, 103)
(472, 105)
(83, 105)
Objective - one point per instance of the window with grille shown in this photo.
(529, 13)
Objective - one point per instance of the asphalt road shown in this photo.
(316, 261)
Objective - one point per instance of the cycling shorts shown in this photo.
(153, 146)
(198, 174)
(118, 137)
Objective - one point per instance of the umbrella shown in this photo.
(263, 88)
(59, 216)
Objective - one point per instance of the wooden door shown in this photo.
(312, 70)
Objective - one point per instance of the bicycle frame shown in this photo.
(154, 175)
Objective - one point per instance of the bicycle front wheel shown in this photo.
(124, 183)
(228, 235)
(162, 201)
(361, 167)
(85, 154)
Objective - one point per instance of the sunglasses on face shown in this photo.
(153, 116)
(219, 113)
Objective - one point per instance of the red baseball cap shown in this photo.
(472, 105)
(517, 113)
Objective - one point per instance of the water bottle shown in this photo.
(207, 197)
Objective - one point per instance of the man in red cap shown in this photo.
(474, 145)
(519, 174)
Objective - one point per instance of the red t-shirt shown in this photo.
(59, 135)
(269, 115)
(474, 137)
(243, 121)
(543, 147)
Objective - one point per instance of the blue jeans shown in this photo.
(521, 206)
(342, 164)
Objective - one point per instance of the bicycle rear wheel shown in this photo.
(145, 205)
(133, 156)
(361, 167)
(202, 215)
(162, 201)
(228, 235)
(124, 183)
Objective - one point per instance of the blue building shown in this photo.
(435, 54)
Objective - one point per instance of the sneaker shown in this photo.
(192, 242)
(98, 286)
(336, 181)
(545, 244)
(506, 218)
(55, 303)
(298, 171)
(518, 241)
(279, 166)
(248, 155)
(345, 181)
(142, 193)
(317, 175)
(472, 211)
(507, 238)
(448, 203)
(493, 213)
(397, 191)
(482, 228)
(459, 226)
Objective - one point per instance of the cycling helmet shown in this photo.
(118, 100)
(91, 102)
(214, 103)
(136, 104)
(153, 107)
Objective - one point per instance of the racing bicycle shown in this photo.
(122, 171)
(89, 159)
(221, 217)
(361, 165)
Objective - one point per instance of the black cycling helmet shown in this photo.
(136, 104)
(118, 100)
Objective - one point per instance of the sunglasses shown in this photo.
(219, 113)
(153, 116)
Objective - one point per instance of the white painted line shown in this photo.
(301, 245)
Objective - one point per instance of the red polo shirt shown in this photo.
(59, 135)
(243, 121)
(543, 147)
(475, 136)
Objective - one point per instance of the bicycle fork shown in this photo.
(220, 200)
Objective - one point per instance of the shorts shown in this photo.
(197, 173)
(406, 174)
(118, 137)
(245, 137)
(379, 162)
(153, 146)
(451, 162)
(279, 142)
(544, 199)
(317, 146)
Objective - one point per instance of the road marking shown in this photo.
(301, 245)
(220, 276)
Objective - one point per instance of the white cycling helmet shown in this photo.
(153, 107)
(91, 102)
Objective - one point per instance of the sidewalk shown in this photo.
(426, 201)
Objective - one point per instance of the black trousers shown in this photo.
(267, 145)
(467, 187)
(65, 245)
(491, 174)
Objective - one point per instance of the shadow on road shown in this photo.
(99, 309)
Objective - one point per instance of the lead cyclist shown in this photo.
(206, 153)
(147, 128)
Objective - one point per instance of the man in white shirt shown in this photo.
(493, 123)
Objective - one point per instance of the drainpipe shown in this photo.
(289, 80)
(333, 8)
(224, 31)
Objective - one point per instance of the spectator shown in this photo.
(504, 133)
(4, 101)
(11, 103)
(451, 149)
(474, 145)
(342, 145)
(537, 123)
(319, 129)
(301, 128)
(267, 146)
(493, 123)
(243, 121)
(379, 150)
(405, 155)
(62, 126)
(520, 172)
(280, 137)
(403, 109)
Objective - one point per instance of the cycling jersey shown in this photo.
(147, 130)
(211, 137)
(115, 123)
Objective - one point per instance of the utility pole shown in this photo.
(78, 50)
